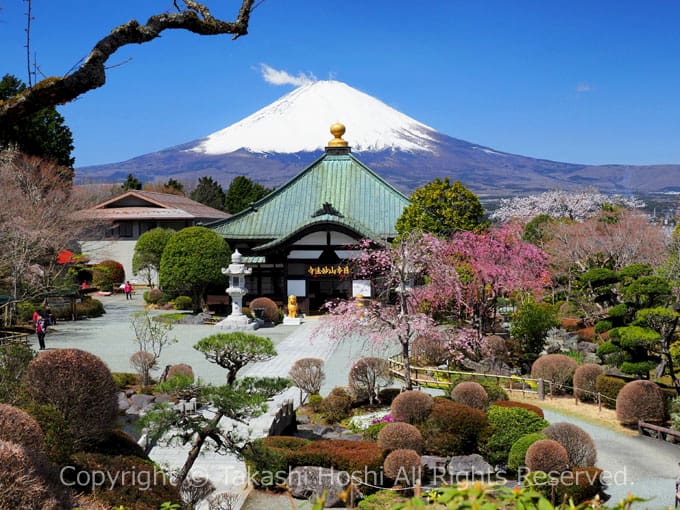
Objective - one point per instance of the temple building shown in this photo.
(298, 239)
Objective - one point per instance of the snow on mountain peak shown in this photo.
(301, 119)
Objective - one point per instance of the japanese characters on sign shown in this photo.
(329, 271)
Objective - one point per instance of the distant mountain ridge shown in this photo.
(275, 143)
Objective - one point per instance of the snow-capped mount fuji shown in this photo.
(299, 122)
(278, 141)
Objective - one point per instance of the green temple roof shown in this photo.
(336, 189)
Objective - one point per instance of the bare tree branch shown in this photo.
(91, 74)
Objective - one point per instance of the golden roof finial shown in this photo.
(337, 130)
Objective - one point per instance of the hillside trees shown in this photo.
(146, 259)
(241, 193)
(442, 208)
(192, 260)
(131, 183)
(191, 16)
(209, 192)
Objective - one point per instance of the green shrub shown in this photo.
(371, 432)
(494, 390)
(548, 456)
(315, 403)
(411, 406)
(271, 309)
(585, 379)
(609, 387)
(153, 296)
(618, 311)
(513, 403)
(25, 311)
(180, 369)
(452, 428)
(183, 303)
(507, 425)
(337, 405)
(519, 449)
(602, 326)
(90, 308)
(403, 466)
(124, 379)
(107, 274)
(398, 435)
(640, 400)
(576, 441)
(579, 484)
(262, 460)
(56, 433)
(471, 394)
(382, 500)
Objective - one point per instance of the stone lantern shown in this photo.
(237, 272)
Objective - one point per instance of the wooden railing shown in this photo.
(10, 337)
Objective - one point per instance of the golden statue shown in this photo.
(292, 306)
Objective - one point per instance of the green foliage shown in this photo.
(90, 308)
(524, 405)
(609, 387)
(371, 432)
(519, 450)
(241, 192)
(315, 403)
(337, 405)
(209, 192)
(618, 311)
(43, 134)
(153, 296)
(146, 259)
(107, 274)
(57, 435)
(442, 208)
(507, 425)
(192, 261)
(182, 303)
(174, 185)
(530, 324)
(537, 231)
(635, 271)
(452, 428)
(14, 360)
(124, 379)
(647, 292)
(381, 500)
(602, 326)
(131, 183)
(25, 311)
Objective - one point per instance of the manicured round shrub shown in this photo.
(576, 441)
(523, 405)
(395, 436)
(452, 428)
(494, 391)
(403, 466)
(558, 368)
(640, 400)
(108, 273)
(183, 303)
(89, 308)
(548, 456)
(411, 406)
(337, 405)
(17, 426)
(609, 387)
(180, 369)
(80, 386)
(153, 296)
(507, 425)
(585, 378)
(471, 394)
(519, 449)
(271, 310)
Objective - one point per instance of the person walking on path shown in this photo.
(41, 331)
(128, 290)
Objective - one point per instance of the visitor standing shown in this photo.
(128, 290)
(41, 331)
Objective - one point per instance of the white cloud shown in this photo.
(276, 77)
(583, 87)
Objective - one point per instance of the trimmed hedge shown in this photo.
(507, 425)
(609, 387)
(523, 405)
(640, 400)
(337, 405)
(404, 467)
(578, 443)
(411, 406)
(19, 427)
(585, 379)
(471, 394)
(271, 309)
(452, 428)
(548, 456)
(558, 368)
(400, 436)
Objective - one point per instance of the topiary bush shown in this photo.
(183, 303)
(80, 386)
(471, 394)
(395, 436)
(452, 428)
(19, 427)
(640, 400)
(153, 296)
(107, 274)
(494, 391)
(523, 405)
(89, 308)
(507, 425)
(403, 466)
(609, 387)
(180, 368)
(548, 456)
(576, 441)
(585, 379)
(271, 309)
(337, 405)
(558, 368)
(411, 406)
(519, 449)
(603, 326)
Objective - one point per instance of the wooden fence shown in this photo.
(11, 337)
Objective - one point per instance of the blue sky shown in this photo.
(583, 81)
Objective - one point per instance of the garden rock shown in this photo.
(586, 347)
(302, 419)
(434, 463)
(139, 402)
(350, 436)
(591, 357)
(320, 430)
(123, 403)
(469, 465)
(199, 318)
(309, 481)
(553, 348)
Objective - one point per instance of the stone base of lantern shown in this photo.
(292, 321)
(237, 323)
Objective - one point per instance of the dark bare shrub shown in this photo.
(271, 310)
(403, 466)
(429, 350)
(452, 428)
(577, 442)
(548, 456)
(396, 436)
(411, 406)
(558, 368)
(471, 394)
(80, 386)
(640, 400)
(585, 378)
(223, 501)
(143, 362)
(367, 376)
(180, 369)
(195, 489)
(17, 426)
(307, 374)
(337, 405)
